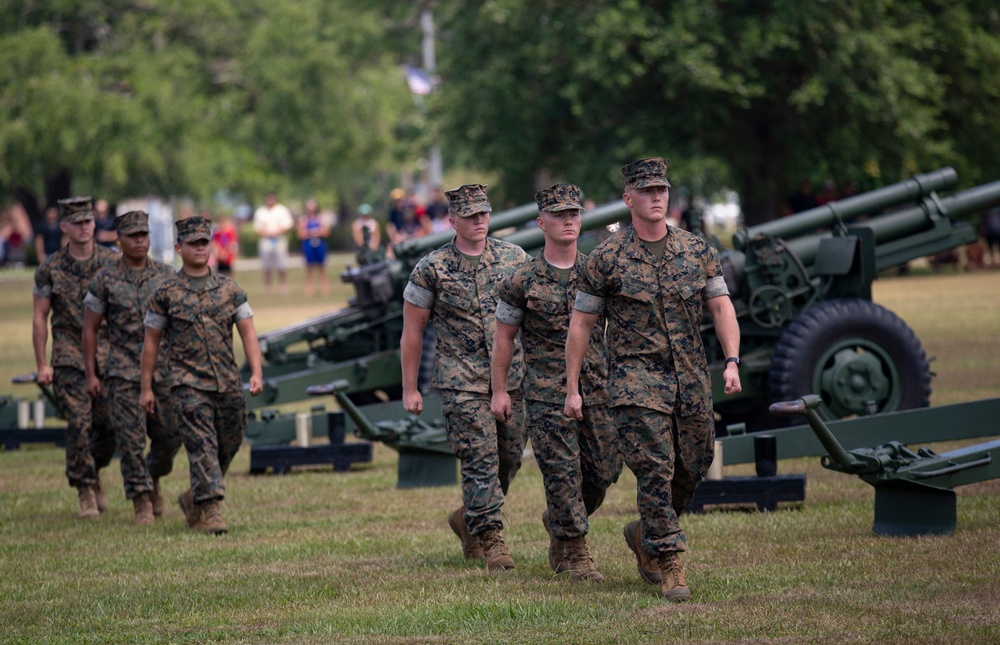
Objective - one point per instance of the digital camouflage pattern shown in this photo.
(534, 299)
(579, 461)
(468, 200)
(489, 451)
(659, 383)
(670, 456)
(559, 197)
(122, 295)
(132, 222)
(90, 440)
(76, 209)
(197, 327)
(647, 172)
(212, 425)
(63, 281)
(654, 311)
(192, 229)
(463, 302)
(132, 425)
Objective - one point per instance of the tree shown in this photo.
(189, 98)
(772, 91)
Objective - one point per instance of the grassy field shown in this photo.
(318, 557)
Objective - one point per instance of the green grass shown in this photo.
(318, 557)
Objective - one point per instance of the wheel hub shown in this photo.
(852, 381)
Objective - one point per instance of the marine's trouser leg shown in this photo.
(90, 440)
(132, 425)
(670, 456)
(574, 475)
(489, 451)
(212, 425)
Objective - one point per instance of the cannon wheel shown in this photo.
(858, 356)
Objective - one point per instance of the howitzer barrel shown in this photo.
(504, 219)
(845, 210)
(534, 238)
(899, 224)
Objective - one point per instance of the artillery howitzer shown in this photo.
(913, 490)
(801, 287)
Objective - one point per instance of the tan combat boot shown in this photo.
(102, 497)
(557, 554)
(648, 568)
(472, 548)
(156, 497)
(582, 565)
(674, 584)
(192, 513)
(497, 558)
(212, 517)
(88, 503)
(143, 509)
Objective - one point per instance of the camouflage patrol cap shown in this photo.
(76, 209)
(468, 200)
(647, 172)
(192, 229)
(559, 197)
(132, 222)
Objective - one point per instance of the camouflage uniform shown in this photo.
(204, 380)
(462, 300)
(90, 440)
(121, 295)
(578, 460)
(659, 383)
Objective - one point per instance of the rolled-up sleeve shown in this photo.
(509, 314)
(714, 288)
(589, 304)
(156, 321)
(423, 298)
(95, 304)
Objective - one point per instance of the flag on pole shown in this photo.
(420, 82)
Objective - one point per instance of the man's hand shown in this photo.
(44, 376)
(732, 379)
(574, 407)
(500, 406)
(413, 402)
(93, 386)
(256, 385)
(147, 401)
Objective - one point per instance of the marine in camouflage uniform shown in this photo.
(59, 288)
(458, 292)
(193, 312)
(119, 294)
(579, 460)
(652, 284)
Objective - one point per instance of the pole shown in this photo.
(427, 27)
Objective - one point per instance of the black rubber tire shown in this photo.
(805, 351)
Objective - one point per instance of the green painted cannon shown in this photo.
(913, 490)
(425, 457)
(801, 287)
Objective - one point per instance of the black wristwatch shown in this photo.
(733, 359)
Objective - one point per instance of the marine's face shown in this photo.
(134, 246)
(648, 204)
(194, 254)
(471, 229)
(79, 232)
(561, 226)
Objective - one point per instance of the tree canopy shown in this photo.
(757, 95)
(185, 97)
